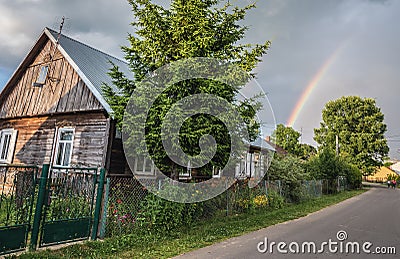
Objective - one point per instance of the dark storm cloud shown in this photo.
(102, 23)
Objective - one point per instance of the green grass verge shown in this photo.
(189, 238)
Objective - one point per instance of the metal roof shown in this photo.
(262, 144)
(91, 64)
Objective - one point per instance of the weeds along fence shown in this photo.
(125, 200)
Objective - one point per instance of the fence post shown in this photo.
(39, 206)
(227, 198)
(99, 199)
(104, 217)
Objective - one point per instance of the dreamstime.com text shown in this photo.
(340, 246)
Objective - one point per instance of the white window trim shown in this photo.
(143, 171)
(44, 70)
(216, 172)
(11, 145)
(57, 143)
(188, 174)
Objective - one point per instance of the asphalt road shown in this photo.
(372, 217)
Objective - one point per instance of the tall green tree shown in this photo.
(359, 125)
(189, 28)
(288, 139)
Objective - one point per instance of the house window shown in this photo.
(8, 138)
(64, 147)
(41, 80)
(144, 166)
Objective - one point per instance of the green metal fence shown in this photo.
(59, 206)
(68, 205)
(17, 192)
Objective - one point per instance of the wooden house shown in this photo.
(52, 109)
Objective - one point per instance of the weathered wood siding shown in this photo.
(63, 92)
(36, 138)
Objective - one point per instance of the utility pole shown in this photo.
(337, 145)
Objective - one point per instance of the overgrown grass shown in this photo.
(204, 233)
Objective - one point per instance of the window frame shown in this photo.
(8, 159)
(142, 170)
(57, 147)
(42, 76)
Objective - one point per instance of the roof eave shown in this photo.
(88, 83)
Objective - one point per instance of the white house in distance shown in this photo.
(396, 167)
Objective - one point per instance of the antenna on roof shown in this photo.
(52, 55)
(58, 38)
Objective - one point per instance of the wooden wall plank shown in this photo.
(28, 97)
(62, 103)
(22, 89)
(52, 83)
(36, 136)
(58, 88)
(70, 94)
(77, 102)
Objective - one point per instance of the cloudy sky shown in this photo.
(340, 47)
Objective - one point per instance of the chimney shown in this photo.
(268, 138)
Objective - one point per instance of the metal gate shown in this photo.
(65, 207)
(17, 194)
(69, 205)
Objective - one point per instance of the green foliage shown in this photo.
(388, 164)
(288, 139)
(353, 176)
(287, 168)
(275, 200)
(193, 28)
(306, 151)
(391, 177)
(68, 208)
(14, 211)
(326, 165)
(359, 125)
(290, 170)
(158, 215)
(201, 234)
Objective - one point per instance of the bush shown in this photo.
(158, 215)
(295, 191)
(353, 176)
(275, 200)
(330, 167)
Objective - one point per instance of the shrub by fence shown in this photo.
(130, 207)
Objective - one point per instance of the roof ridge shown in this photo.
(86, 45)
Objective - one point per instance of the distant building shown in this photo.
(396, 167)
(381, 175)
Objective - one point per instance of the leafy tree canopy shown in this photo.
(288, 139)
(189, 28)
(326, 165)
(359, 125)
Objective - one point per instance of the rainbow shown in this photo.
(312, 85)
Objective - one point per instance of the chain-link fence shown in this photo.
(124, 197)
